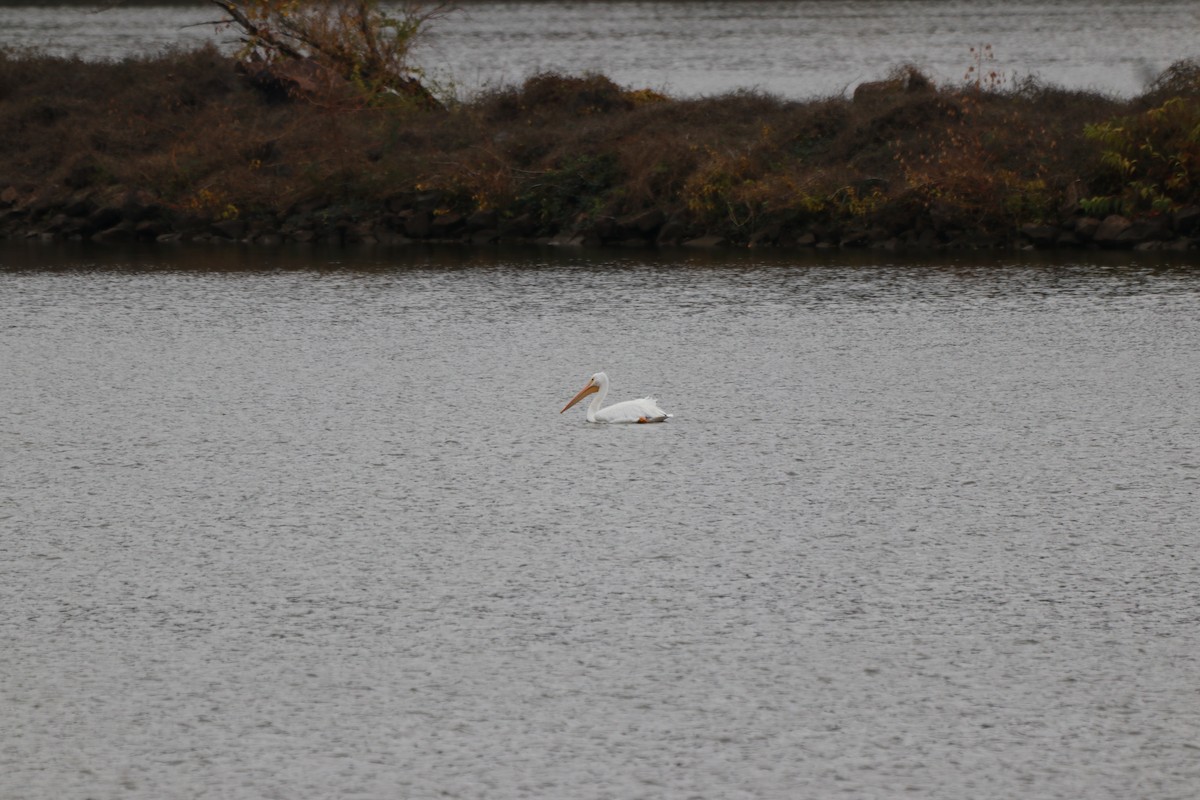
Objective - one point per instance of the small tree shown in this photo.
(355, 40)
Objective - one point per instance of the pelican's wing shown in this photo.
(644, 410)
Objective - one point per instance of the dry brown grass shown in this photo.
(564, 150)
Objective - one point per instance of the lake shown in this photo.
(308, 524)
(796, 48)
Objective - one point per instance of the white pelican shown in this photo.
(644, 410)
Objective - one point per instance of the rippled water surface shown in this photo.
(317, 529)
(797, 48)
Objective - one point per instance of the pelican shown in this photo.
(644, 410)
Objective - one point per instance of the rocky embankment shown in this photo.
(118, 217)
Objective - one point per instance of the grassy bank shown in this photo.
(184, 146)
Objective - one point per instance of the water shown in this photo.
(796, 49)
(281, 525)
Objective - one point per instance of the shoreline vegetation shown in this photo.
(202, 146)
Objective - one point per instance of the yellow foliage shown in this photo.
(645, 97)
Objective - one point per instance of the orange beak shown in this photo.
(584, 392)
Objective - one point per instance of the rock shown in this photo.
(1152, 228)
(910, 80)
(1041, 235)
(807, 239)
(945, 217)
(190, 224)
(149, 230)
(521, 227)
(9, 197)
(1109, 231)
(399, 203)
(764, 237)
(77, 227)
(57, 223)
(1117, 231)
(927, 239)
(972, 240)
(118, 234)
(359, 233)
(566, 239)
(482, 220)
(603, 228)
(44, 204)
(445, 226)
(1086, 227)
(418, 224)
(644, 224)
(229, 228)
(80, 205)
(711, 240)
(305, 210)
(1186, 220)
(1145, 230)
(428, 201)
(104, 217)
(140, 205)
(489, 236)
(672, 232)
(854, 239)
(388, 223)
(391, 238)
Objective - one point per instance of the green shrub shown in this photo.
(1149, 161)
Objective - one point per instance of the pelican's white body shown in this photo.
(644, 410)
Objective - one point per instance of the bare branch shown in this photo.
(355, 39)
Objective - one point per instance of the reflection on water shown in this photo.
(316, 529)
(797, 49)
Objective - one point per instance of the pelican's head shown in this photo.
(595, 383)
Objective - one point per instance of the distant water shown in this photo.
(795, 48)
(316, 529)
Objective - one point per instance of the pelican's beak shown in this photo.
(584, 392)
